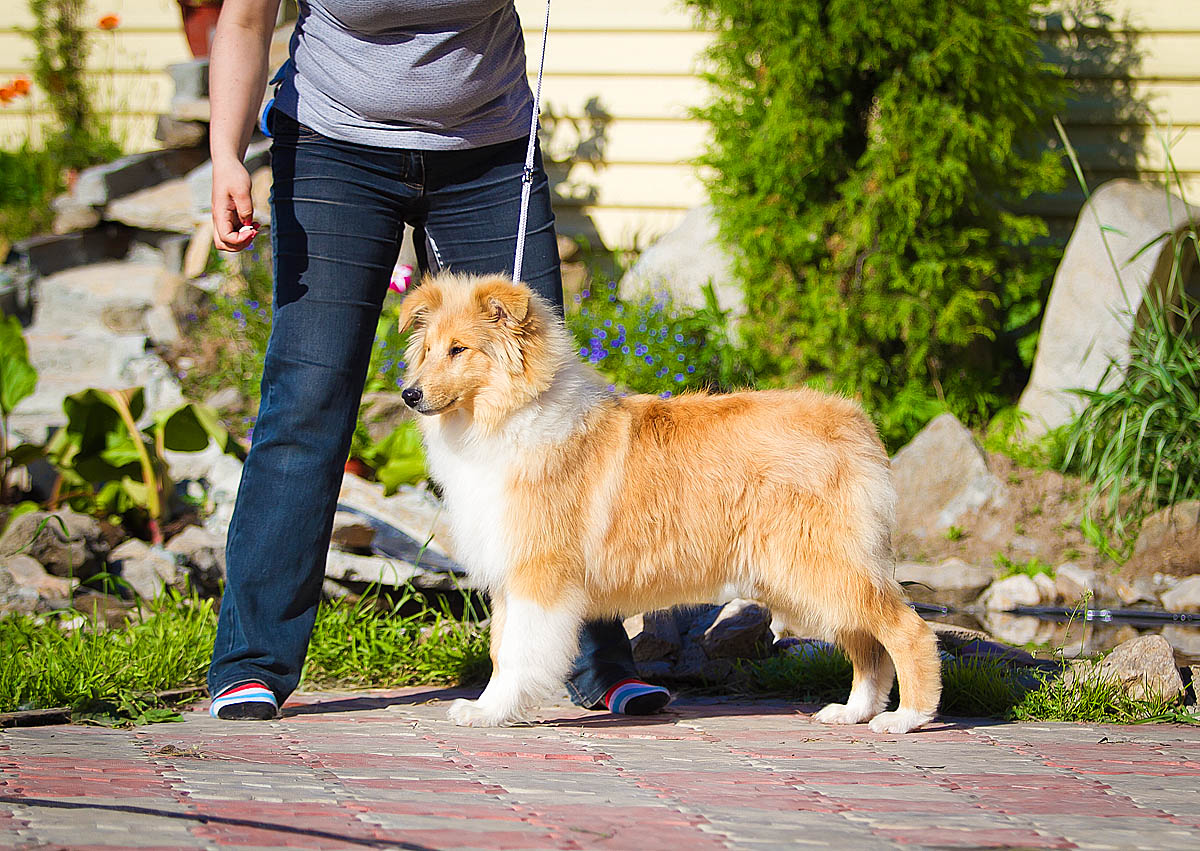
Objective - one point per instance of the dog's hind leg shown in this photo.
(534, 657)
(873, 677)
(913, 648)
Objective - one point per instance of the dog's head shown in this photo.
(484, 346)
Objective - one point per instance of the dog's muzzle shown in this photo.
(411, 396)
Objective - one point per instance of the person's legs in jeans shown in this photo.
(470, 216)
(335, 228)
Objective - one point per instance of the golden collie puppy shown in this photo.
(569, 502)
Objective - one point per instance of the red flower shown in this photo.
(7, 94)
(109, 22)
(20, 86)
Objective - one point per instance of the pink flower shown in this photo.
(401, 278)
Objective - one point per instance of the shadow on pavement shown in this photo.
(211, 819)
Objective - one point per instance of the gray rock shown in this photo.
(165, 206)
(70, 215)
(184, 108)
(1006, 594)
(1185, 640)
(1144, 667)
(199, 180)
(161, 327)
(1047, 588)
(78, 551)
(942, 477)
(351, 532)
(1074, 583)
(1184, 597)
(1140, 589)
(683, 262)
(1089, 312)
(223, 477)
(27, 572)
(124, 318)
(742, 630)
(16, 599)
(204, 553)
(952, 582)
(654, 672)
(1167, 525)
(226, 399)
(695, 666)
(394, 573)
(147, 570)
(654, 636)
(412, 510)
(154, 376)
(190, 78)
(99, 185)
(173, 133)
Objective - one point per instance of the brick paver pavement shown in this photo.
(386, 770)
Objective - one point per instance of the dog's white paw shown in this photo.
(900, 721)
(840, 713)
(470, 713)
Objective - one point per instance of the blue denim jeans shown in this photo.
(338, 212)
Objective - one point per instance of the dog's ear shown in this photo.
(503, 301)
(419, 303)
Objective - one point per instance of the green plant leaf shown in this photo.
(18, 378)
(190, 427)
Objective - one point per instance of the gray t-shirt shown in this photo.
(425, 74)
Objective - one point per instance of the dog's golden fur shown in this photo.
(569, 502)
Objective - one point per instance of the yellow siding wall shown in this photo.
(638, 59)
(128, 62)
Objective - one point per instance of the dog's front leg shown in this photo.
(537, 645)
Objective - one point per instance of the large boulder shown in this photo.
(15, 599)
(1089, 314)
(26, 572)
(63, 542)
(1169, 541)
(1184, 597)
(203, 551)
(942, 477)
(742, 630)
(147, 571)
(683, 262)
(1009, 593)
(1144, 667)
(654, 636)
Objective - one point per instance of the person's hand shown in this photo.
(234, 227)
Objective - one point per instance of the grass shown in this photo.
(1029, 568)
(1094, 700)
(115, 676)
(55, 660)
(363, 644)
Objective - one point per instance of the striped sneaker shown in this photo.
(634, 697)
(245, 702)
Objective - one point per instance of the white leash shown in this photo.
(527, 175)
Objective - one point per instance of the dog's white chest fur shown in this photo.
(475, 489)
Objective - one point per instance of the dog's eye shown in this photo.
(455, 351)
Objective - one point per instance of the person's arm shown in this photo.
(237, 77)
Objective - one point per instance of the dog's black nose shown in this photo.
(410, 395)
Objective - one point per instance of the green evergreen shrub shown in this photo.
(866, 163)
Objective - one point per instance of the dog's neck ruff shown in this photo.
(549, 418)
